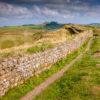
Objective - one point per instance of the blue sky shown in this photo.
(18, 12)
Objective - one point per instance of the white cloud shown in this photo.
(68, 1)
(19, 12)
(47, 11)
(55, 11)
(11, 10)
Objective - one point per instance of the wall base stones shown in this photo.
(14, 71)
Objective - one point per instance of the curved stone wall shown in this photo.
(14, 71)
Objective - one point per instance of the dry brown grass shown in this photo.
(19, 39)
(96, 90)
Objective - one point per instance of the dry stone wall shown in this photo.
(14, 71)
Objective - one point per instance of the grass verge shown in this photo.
(96, 44)
(31, 83)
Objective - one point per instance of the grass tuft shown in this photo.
(39, 48)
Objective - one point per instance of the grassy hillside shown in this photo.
(15, 40)
(13, 36)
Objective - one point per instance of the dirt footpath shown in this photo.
(31, 95)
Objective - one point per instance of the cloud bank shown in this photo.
(48, 10)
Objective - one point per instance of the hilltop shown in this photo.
(30, 39)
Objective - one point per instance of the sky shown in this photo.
(19, 12)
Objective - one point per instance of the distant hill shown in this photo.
(46, 25)
(95, 24)
(53, 25)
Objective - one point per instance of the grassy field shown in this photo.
(31, 83)
(81, 82)
(17, 40)
(15, 36)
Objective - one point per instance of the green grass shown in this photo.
(81, 82)
(39, 48)
(31, 83)
(23, 27)
(5, 55)
(96, 44)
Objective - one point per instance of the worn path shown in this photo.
(31, 95)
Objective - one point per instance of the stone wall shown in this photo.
(14, 71)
